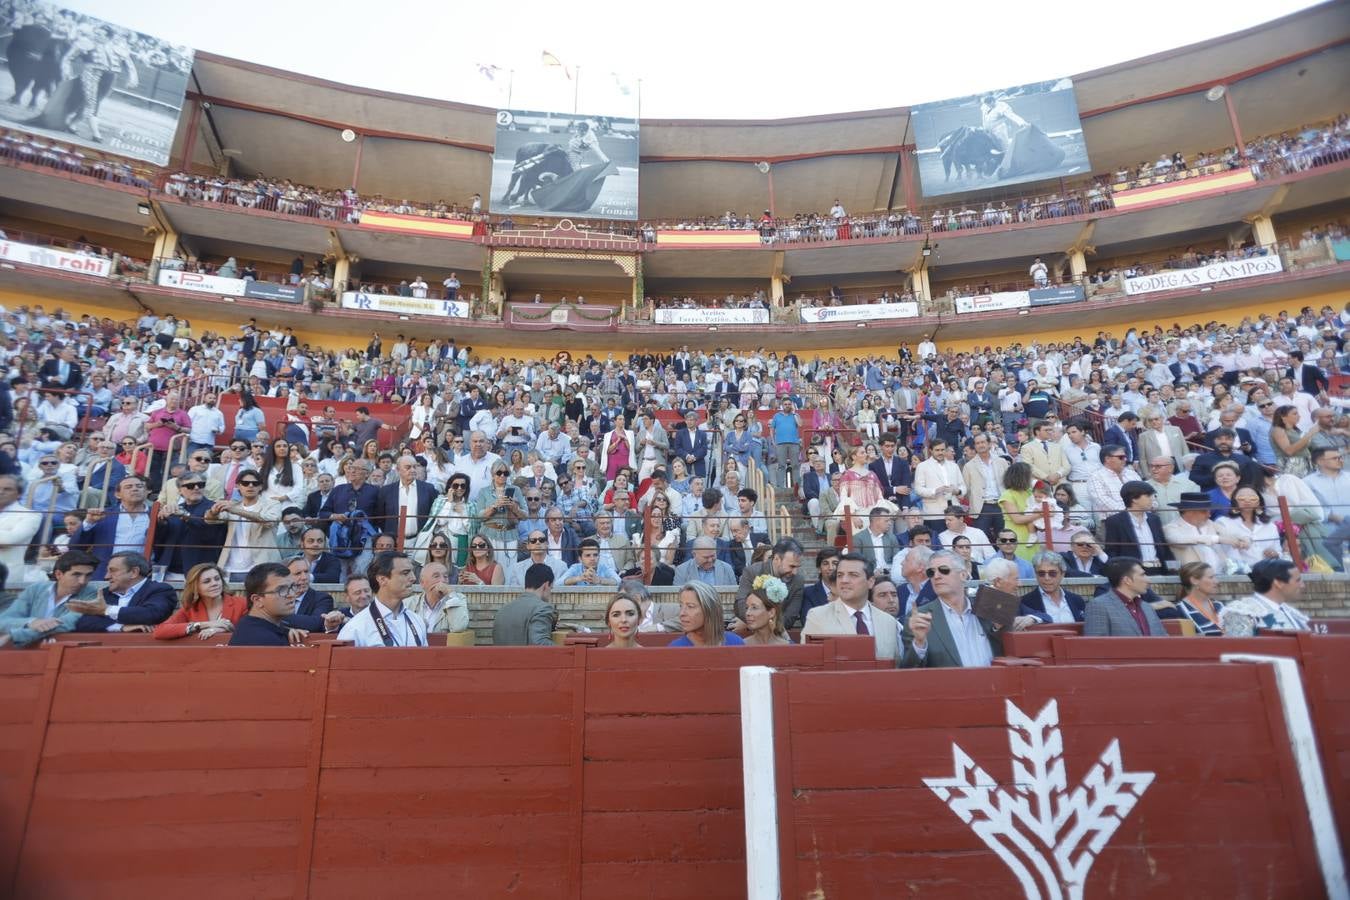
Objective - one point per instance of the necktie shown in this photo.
(1045, 446)
(862, 623)
(229, 480)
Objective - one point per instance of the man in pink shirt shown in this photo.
(165, 423)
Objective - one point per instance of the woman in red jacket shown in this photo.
(205, 609)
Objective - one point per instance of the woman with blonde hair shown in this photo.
(701, 618)
(205, 609)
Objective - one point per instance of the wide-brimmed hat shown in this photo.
(1192, 500)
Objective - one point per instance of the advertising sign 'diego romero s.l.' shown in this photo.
(559, 164)
(85, 81)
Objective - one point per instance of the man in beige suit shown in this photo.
(984, 482)
(1045, 455)
(1159, 440)
(1193, 537)
(851, 613)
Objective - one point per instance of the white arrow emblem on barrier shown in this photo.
(1047, 835)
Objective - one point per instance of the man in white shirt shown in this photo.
(419, 288)
(478, 462)
(516, 429)
(1081, 451)
(955, 519)
(1306, 404)
(207, 422)
(537, 544)
(1105, 484)
(386, 622)
(877, 542)
(1331, 483)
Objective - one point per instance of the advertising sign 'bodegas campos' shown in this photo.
(1177, 279)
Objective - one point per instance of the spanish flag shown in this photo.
(457, 229)
(684, 240)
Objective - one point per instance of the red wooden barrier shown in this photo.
(871, 793)
(324, 771)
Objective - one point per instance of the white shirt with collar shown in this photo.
(1058, 611)
(1144, 535)
(407, 498)
(123, 601)
(403, 625)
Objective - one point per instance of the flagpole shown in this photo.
(510, 86)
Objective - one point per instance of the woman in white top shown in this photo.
(1248, 519)
(422, 415)
(285, 482)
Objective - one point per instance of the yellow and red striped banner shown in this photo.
(457, 229)
(1190, 188)
(705, 239)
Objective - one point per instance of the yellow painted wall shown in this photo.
(317, 337)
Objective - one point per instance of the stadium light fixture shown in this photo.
(1215, 94)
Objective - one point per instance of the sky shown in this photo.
(694, 59)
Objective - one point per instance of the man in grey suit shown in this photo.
(878, 542)
(529, 619)
(1121, 611)
(946, 633)
(703, 565)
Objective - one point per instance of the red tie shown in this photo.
(862, 624)
(229, 480)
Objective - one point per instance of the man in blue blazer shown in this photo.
(387, 505)
(313, 609)
(1049, 601)
(1125, 434)
(130, 602)
(691, 445)
(820, 593)
(324, 567)
(123, 526)
(892, 471)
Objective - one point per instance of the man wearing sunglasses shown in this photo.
(536, 547)
(1049, 601)
(946, 633)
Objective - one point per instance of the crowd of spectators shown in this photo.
(1162, 447)
(1268, 156)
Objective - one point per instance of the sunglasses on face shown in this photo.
(479, 546)
(944, 570)
(535, 540)
(440, 546)
(250, 484)
(1012, 540)
(1047, 573)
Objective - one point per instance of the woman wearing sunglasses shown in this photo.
(501, 507)
(482, 567)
